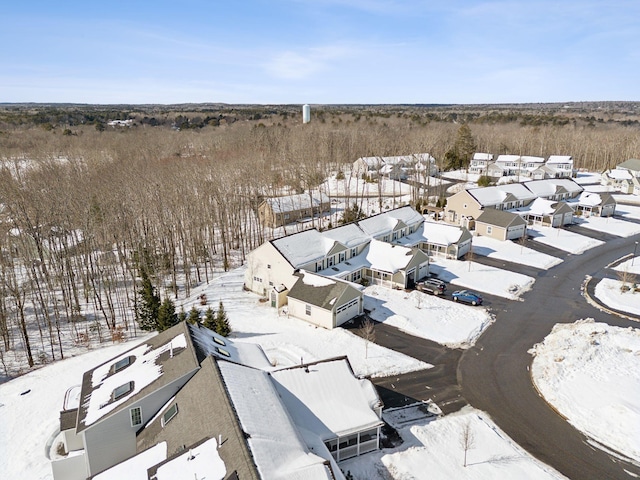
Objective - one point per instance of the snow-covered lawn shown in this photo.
(481, 278)
(356, 187)
(427, 316)
(590, 372)
(513, 252)
(432, 450)
(629, 211)
(562, 239)
(288, 340)
(622, 198)
(631, 265)
(586, 178)
(608, 292)
(461, 175)
(610, 225)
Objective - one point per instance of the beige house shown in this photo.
(325, 302)
(278, 211)
(547, 213)
(501, 225)
(469, 204)
(369, 250)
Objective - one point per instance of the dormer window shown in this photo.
(122, 390)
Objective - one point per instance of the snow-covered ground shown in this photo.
(609, 292)
(427, 316)
(513, 252)
(627, 199)
(461, 175)
(432, 449)
(610, 225)
(590, 373)
(482, 278)
(587, 178)
(356, 187)
(562, 239)
(628, 211)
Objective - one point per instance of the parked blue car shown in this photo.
(467, 296)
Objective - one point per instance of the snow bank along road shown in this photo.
(494, 374)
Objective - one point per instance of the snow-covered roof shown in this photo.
(542, 207)
(553, 159)
(620, 174)
(292, 203)
(498, 194)
(202, 461)
(551, 186)
(387, 257)
(435, 233)
(589, 199)
(327, 399)
(508, 158)
(136, 467)
(321, 290)
(276, 445)
(303, 247)
(210, 343)
(530, 159)
(350, 235)
(385, 222)
(482, 156)
(105, 388)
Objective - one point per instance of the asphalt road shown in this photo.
(493, 376)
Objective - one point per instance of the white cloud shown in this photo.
(291, 65)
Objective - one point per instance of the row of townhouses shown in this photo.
(537, 168)
(624, 178)
(189, 403)
(319, 275)
(504, 211)
(398, 167)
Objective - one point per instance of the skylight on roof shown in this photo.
(219, 341)
(121, 364)
(222, 351)
(122, 390)
(169, 414)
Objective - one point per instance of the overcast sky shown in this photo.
(319, 51)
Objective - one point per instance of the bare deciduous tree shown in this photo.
(467, 440)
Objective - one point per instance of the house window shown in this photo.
(464, 205)
(169, 414)
(122, 390)
(271, 284)
(286, 216)
(354, 252)
(330, 262)
(223, 352)
(356, 276)
(219, 341)
(121, 364)
(136, 416)
(257, 279)
(268, 266)
(489, 229)
(386, 238)
(342, 257)
(307, 309)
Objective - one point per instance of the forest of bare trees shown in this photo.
(81, 207)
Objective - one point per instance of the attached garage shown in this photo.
(501, 225)
(347, 311)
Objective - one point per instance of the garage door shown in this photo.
(347, 311)
(515, 232)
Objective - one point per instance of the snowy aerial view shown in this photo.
(418, 440)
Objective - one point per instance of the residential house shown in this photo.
(547, 213)
(364, 250)
(278, 211)
(326, 302)
(348, 423)
(598, 204)
(561, 166)
(440, 239)
(517, 165)
(556, 189)
(625, 177)
(396, 167)
(120, 396)
(468, 204)
(501, 225)
(480, 163)
(257, 422)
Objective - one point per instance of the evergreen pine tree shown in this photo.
(194, 316)
(209, 319)
(148, 304)
(167, 316)
(222, 326)
(182, 316)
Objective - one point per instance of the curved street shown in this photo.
(493, 376)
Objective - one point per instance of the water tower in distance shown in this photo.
(306, 113)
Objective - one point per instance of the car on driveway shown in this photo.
(467, 296)
(432, 285)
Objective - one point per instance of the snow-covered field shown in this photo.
(590, 373)
(513, 252)
(608, 291)
(432, 449)
(427, 316)
(562, 239)
(586, 178)
(482, 278)
(629, 211)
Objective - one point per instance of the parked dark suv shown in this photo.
(432, 285)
